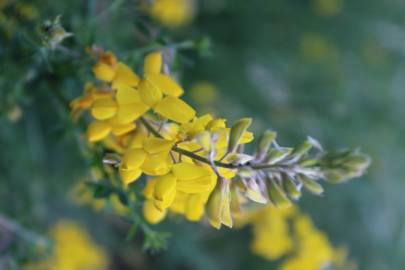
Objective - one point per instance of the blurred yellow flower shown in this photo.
(73, 249)
(316, 47)
(327, 8)
(14, 113)
(291, 234)
(203, 93)
(173, 13)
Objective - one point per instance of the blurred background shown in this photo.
(332, 69)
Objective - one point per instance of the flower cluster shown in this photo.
(290, 234)
(73, 249)
(194, 165)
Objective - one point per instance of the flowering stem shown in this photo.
(194, 156)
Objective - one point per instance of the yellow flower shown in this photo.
(219, 206)
(99, 130)
(152, 159)
(172, 13)
(302, 245)
(108, 69)
(161, 92)
(185, 177)
(151, 213)
(91, 94)
(73, 249)
(271, 233)
(204, 93)
(185, 190)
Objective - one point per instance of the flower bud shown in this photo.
(338, 167)
(292, 189)
(236, 133)
(254, 192)
(277, 195)
(302, 149)
(218, 206)
(311, 185)
(276, 155)
(265, 142)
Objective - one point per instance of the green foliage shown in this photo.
(295, 68)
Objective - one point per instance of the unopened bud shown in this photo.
(265, 142)
(277, 195)
(236, 133)
(292, 189)
(276, 155)
(311, 185)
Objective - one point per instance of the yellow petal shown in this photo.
(111, 143)
(216, 124)
(169, 130)
(151, 213)
(121, 129)
(149, 188)
(153, 63)
(157, 164)
(104, 72)
(167, 202)
(165, 185)
(103, 109)
(204, 139)
(138, 137)
(227, 173)
(155, 145)
(175, 109)
(165, 84)
(127, 95)
(179, 203)
(247, 137)
(196, 185)
(130, 112)
(97, 131)
(99, 94)
(133, 159)
(186, 171)
(218, 206)
(194, 209)
(124, 76)
(129, 176)
(214, 209)
(149, 94)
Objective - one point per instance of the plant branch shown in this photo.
(262, 166)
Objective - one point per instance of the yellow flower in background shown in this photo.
(291, 234)
(27, 11)
(315, 47)
(73, 249)
(271, 233)
(327, 8)
(14, 113)
(313, 250)
(173, 13)
(204, 93)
